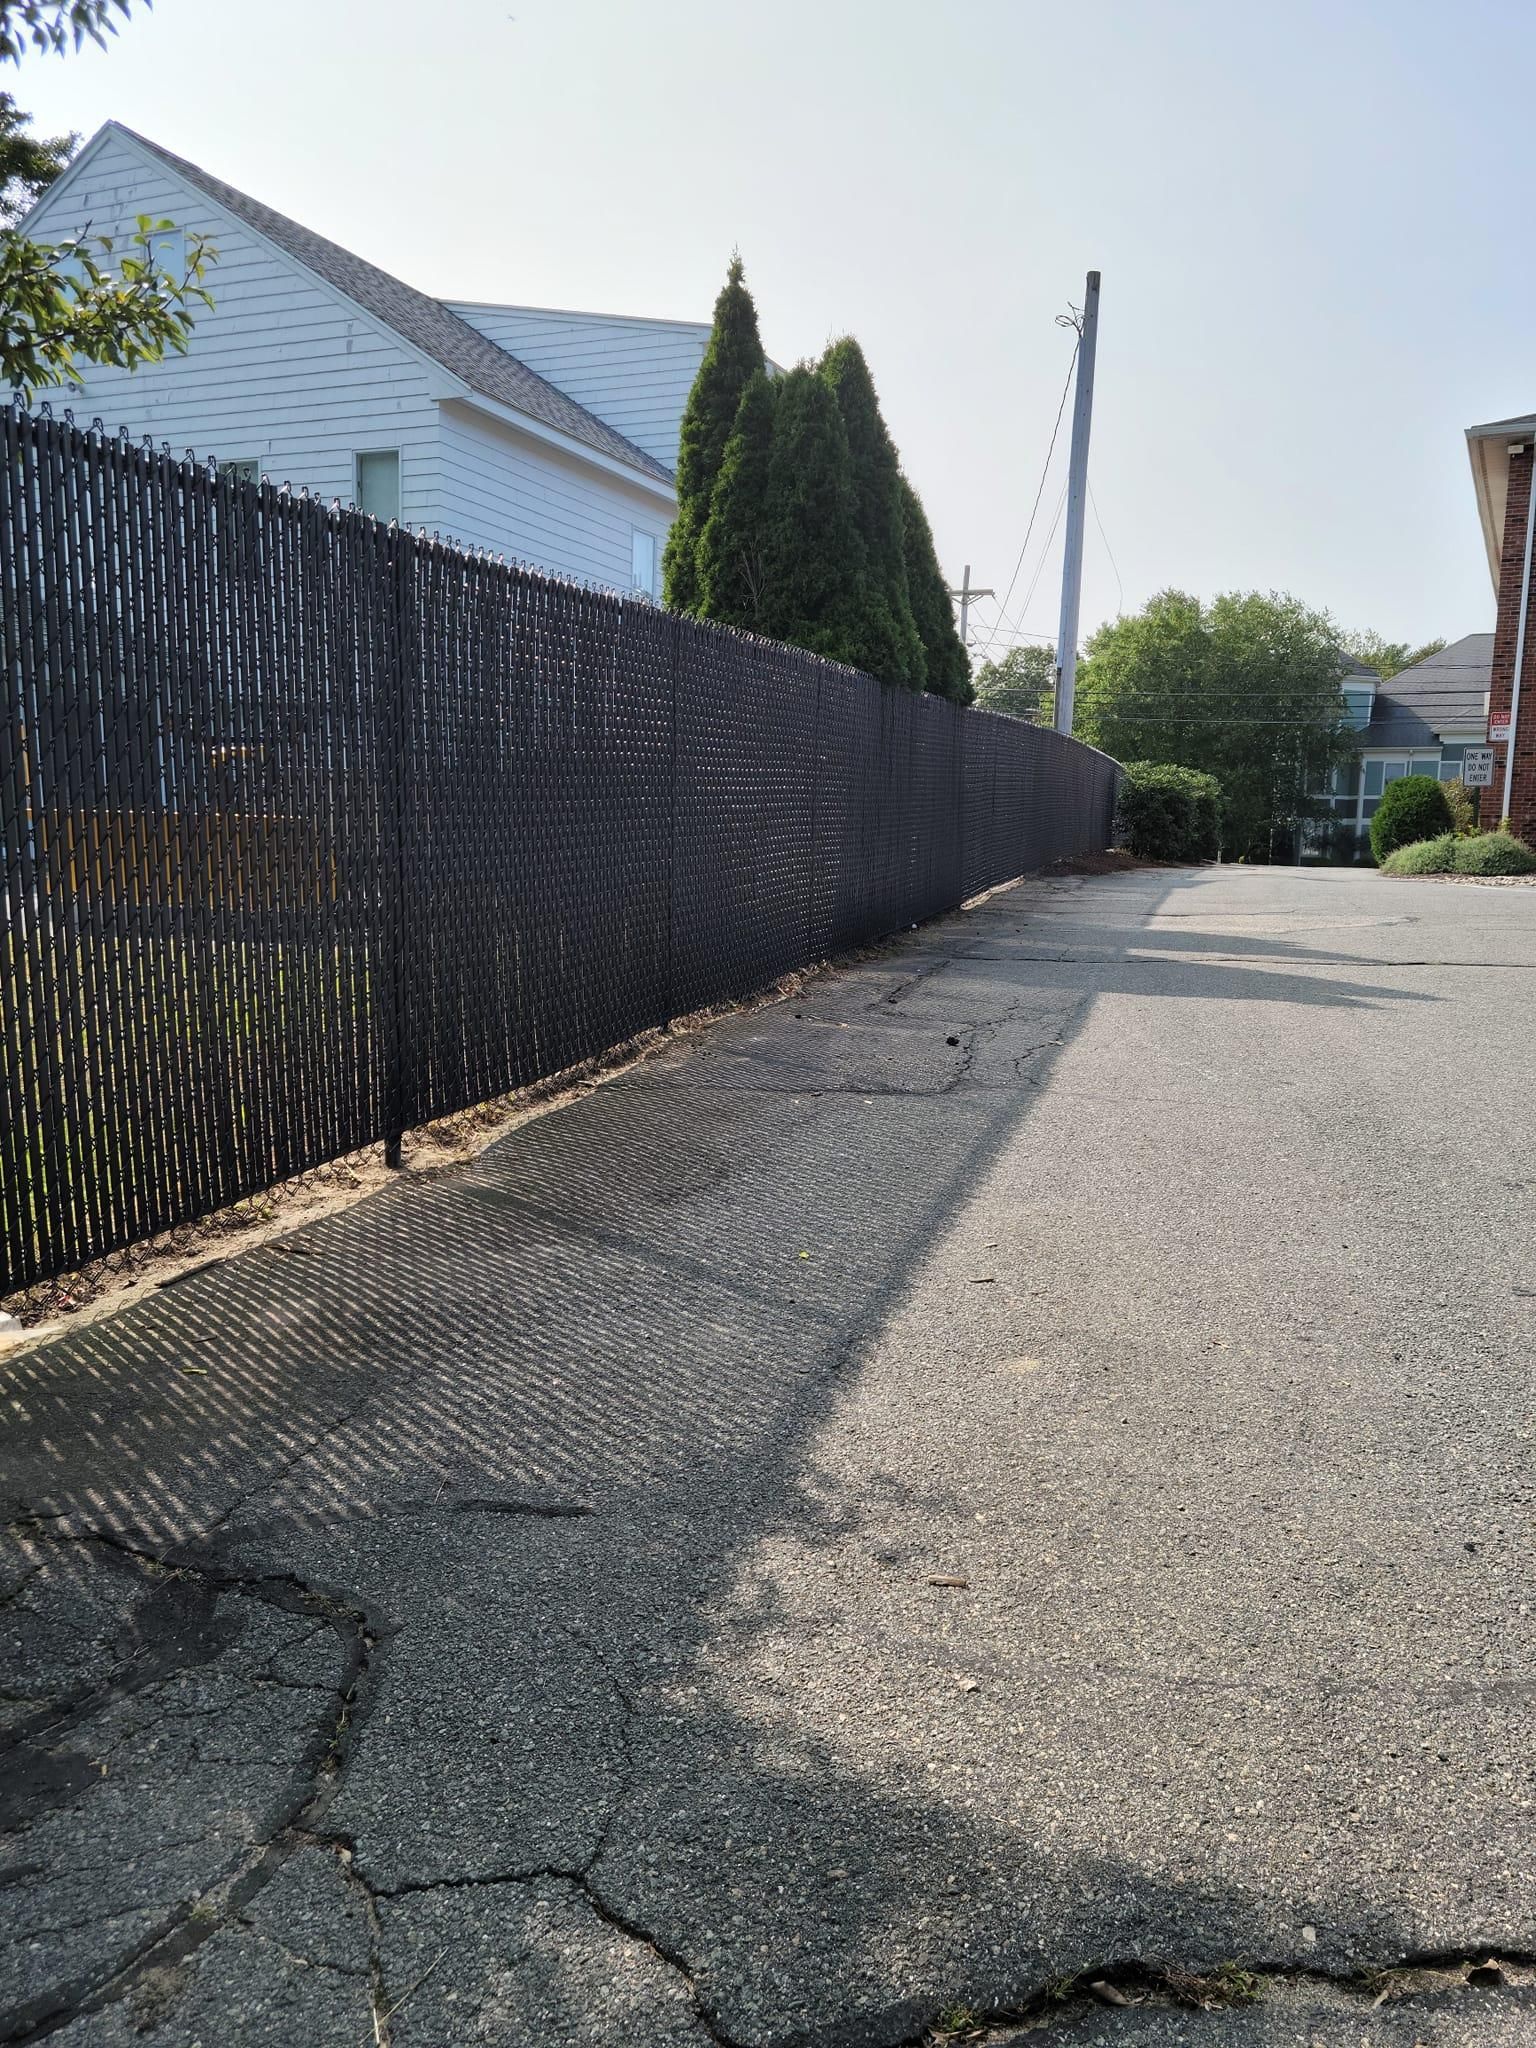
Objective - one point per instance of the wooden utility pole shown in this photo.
(965, 594)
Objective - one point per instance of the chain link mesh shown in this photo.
(313, 830)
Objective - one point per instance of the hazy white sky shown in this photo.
(1311, 224)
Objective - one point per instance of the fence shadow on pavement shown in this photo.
(535, 1418)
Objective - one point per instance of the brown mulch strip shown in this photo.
(1111, 862)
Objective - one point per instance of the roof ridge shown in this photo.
(428, 324)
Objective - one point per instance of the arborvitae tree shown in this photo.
(732, 358)
(729, 559)
(947, 666)
(812, 556)
(889, 645)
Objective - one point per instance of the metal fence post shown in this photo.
(671, 998)
(398, 569)
(810, 858)
(314, 830)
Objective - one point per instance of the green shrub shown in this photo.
(1413, 807)
(1485, 853)
(1494, 853)
(1169, 813)
(1424, 857)
(1463, 807)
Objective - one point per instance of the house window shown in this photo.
(166, 249)
(243, 469)
(645, 563)
(378, 483)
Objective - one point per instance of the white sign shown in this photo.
(1498, 730)
(1477, 768)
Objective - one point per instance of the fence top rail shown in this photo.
(149, 457)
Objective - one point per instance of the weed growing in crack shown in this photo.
(1228, 1984)
(956, 2023)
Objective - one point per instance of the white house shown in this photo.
(547, 436)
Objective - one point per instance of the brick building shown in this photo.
(1502, 453)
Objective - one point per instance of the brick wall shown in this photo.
(1522, 801)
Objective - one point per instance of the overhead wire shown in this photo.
(1034, 511)
(1012, 627)
(1103, 536)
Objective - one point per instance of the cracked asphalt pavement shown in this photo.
(1008, 1470)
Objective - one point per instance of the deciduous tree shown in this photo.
(88, 299)
(1387, 657)
(28, 163)
(1245, 688)
(1023, 682)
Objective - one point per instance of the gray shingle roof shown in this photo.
(424, 322)
(1446, 692)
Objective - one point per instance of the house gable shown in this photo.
(633, 372)
(281, 370)
(428, 326)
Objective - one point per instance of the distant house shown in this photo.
(547, 436)
(1420, 722)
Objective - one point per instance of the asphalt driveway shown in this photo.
(1008, 1472)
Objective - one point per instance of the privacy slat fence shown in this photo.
(313, 830)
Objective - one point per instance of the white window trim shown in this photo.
(652, 589)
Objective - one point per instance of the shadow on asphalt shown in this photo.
(523, 1427)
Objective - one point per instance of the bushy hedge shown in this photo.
(1486, 853)
(1494, 853)
(1412, 808)
(1169, 813)
(1423, 857)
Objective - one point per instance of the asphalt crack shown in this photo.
(185, 1927)
(1129, 1984)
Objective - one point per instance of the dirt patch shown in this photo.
(1111, 862)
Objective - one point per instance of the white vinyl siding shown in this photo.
(285, 374)
(635, 374)
(503, 490)
(281, 370)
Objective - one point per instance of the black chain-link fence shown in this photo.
(312, 831)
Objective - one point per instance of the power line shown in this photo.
(1040, 492)
(1103, 536)
(1270, 694)
(1011, 626)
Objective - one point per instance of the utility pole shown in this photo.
(1077, 506)
(965, 594)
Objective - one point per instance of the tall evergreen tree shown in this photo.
(889, 645)
(732, 358)
(731, 567)
(947, 665)
(812, 555)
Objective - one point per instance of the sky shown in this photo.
(1308, 222)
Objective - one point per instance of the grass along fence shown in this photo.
(313, 830)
